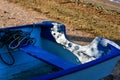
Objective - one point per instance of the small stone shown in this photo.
(5, 12)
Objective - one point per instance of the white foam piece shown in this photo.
(96, 49)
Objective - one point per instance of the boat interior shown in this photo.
(45, 46)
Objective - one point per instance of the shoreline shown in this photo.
(106, 4)
(110, 3)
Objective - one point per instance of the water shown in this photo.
(115, 1)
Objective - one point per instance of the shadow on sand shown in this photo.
(86, 39)
(79, 38)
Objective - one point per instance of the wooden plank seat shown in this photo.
(47, 57)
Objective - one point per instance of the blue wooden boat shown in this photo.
(42, 52)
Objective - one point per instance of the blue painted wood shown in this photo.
(93, 70)
(22, 60)
(47, 57)
(59, 50)
(27, 63)
(46, 31)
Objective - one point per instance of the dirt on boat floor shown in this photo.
(12, 15)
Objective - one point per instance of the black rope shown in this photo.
(12, 58)
(12, 39)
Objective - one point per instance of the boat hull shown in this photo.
(96, 72)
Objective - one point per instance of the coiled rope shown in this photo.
(12, 39)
